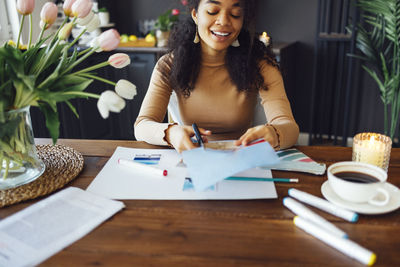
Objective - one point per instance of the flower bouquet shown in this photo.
(45, 73)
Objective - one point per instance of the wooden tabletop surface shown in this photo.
(220, 233)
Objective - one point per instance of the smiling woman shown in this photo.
(217, 67)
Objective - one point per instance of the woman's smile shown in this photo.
(221, 35)
(218, 24)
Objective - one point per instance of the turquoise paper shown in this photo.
(206, 167)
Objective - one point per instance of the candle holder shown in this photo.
(265, 38)
(372, 148)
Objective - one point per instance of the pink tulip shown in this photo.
(184, 2)
(67, 7)
(109, 40)
(175, 12)
(49, 13)
(119, 60)
(25, 7)
(81, 8)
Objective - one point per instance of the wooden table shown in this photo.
(220, 233)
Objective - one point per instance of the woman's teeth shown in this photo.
(221, 33)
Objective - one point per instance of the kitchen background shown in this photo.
(326, 102)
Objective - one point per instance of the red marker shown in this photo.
(144, 168)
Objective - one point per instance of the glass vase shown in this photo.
(19, 163)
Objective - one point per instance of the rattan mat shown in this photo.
(63, 164)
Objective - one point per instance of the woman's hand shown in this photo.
(179, 137)
(266, 132)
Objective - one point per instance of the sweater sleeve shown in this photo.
(277, 107)
(149, 126)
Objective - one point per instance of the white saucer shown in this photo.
(364, 208)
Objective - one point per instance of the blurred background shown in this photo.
(331, 96)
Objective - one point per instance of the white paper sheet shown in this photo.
(118, 182)
(32, 235)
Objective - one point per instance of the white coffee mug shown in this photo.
(355, 191)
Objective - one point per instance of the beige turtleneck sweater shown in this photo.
(215, 104)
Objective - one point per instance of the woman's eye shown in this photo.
(212, 12)
(237, 13)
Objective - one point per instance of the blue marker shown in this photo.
(198, 135)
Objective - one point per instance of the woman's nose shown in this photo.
(223, 19)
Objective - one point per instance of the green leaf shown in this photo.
(55, 75)
(72, 108)
(30, 55)
(7, 128)
(36, 62)
(13, 57)
(2, 108)
(52, 121)
(73, 57)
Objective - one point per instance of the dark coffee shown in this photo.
(357, 177)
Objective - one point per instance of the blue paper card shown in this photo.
(208, 166)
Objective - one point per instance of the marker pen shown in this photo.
(303, 211)
(345, 246)
(142, 167)
(323, 205)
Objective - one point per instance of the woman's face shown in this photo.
(219, 23)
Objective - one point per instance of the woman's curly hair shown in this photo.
(242, 62)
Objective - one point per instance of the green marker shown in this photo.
(255, 179)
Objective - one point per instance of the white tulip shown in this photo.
(125, 89)
(109, 101)
(93, 24)
(95, 44)
(103, 109)
(85, 21)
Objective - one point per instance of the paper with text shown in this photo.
(32, 235)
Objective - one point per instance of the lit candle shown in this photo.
(265, 38)
(372, 148)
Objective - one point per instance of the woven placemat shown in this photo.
(63, 164)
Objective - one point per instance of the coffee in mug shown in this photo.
(359, 182)
(357, 177)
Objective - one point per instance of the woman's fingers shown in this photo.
(255, 133)
(180, 137)
(204, 131)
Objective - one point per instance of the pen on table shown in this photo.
(323, 205)
(143, 167)
(198, 135)
(301, 210)
(282, 180)
(344, 245)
